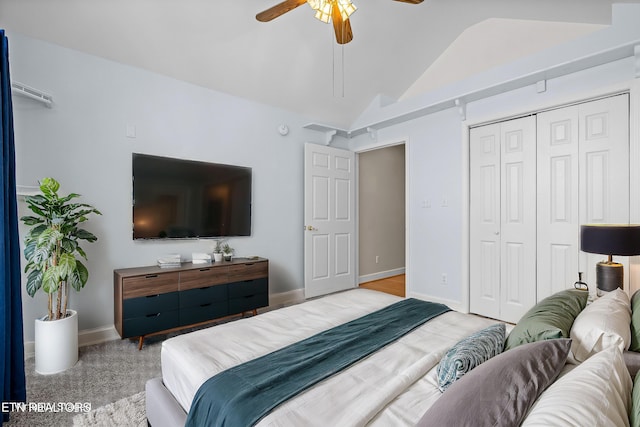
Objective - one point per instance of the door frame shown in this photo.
(407, 184)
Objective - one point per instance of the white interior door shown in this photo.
(485, 221)
(329, 218)
(518, 218)
(558, 221)
(503, 219)
(604, 171)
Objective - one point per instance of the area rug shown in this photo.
(127, 412)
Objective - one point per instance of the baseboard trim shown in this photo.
(108, 333)
(284, 299)
(380, 275)
(454, 305)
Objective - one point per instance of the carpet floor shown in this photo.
(105, 373)
(106, 385)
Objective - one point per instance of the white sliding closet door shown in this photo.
(503, 218)
(583, 177)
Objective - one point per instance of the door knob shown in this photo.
(310, 228)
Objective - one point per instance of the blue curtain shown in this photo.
(11, 338)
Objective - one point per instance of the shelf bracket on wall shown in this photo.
(31, 93)
(329, 132)
(462, 109)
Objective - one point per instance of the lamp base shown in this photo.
(609, 276)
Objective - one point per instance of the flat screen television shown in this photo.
(183, 199)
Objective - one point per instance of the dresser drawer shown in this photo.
(202, 277)
(199, 296)
(149, 284)
(248, 303)
(148, 324)
(203, 312)
(248, 271)
(248, 288)
(150, 304)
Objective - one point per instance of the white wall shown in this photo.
(437, 172)
(81, 142)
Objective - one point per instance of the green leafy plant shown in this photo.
(51, 245)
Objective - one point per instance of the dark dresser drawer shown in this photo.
(203, 312)
(150, 304)
(198, 296)
(150, 323)
(248, 303)
(248, 287)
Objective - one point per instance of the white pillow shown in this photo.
(602, 324)
(595, 393)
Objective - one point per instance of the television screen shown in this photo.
(175, 198)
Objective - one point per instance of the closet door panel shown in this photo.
(518, 218)
(604, 175)
(558, 225)
(485, 221)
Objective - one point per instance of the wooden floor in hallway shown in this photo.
(394, 285)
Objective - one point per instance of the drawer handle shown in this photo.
(249, 296)
(205, 305)
(153, 315)
(153, 296)
(249, 265)
(247, 281)
(204, 269)
(204, 288)
(150, 276)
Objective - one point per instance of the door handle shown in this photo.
(310, 228)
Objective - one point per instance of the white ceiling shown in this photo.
(399, 50)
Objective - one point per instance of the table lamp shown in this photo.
(610, 239)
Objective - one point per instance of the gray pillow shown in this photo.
(469, 353)
(501, 391)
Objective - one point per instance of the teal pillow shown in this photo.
(469, 353)
(635, 322)
(549, 319)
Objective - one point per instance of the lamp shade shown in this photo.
(610, 239)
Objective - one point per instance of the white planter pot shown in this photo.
(56, 344)
(217, 257)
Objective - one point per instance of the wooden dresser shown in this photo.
(151, 300)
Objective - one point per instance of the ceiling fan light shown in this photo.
(323, 13)
(346, 8)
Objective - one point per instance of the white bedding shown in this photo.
(394, 386)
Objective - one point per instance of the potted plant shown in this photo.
(52, 250)
(227, 251)
(217, 250)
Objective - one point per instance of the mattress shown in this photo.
(393, 386)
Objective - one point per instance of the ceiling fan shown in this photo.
(337, 11)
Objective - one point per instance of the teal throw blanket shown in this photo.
(242, 395)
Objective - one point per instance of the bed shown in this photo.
(401, 384)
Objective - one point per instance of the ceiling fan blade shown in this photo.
(279, 9)
(411, 1)
(342, 28)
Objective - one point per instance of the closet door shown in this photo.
(604, 171)
(484, 245)
(518, 218)
(558, 222)
(502, 219)
(583, 177)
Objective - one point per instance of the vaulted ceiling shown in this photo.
(399, 50)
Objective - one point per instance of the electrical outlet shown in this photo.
(377, 259)
(444, 279)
